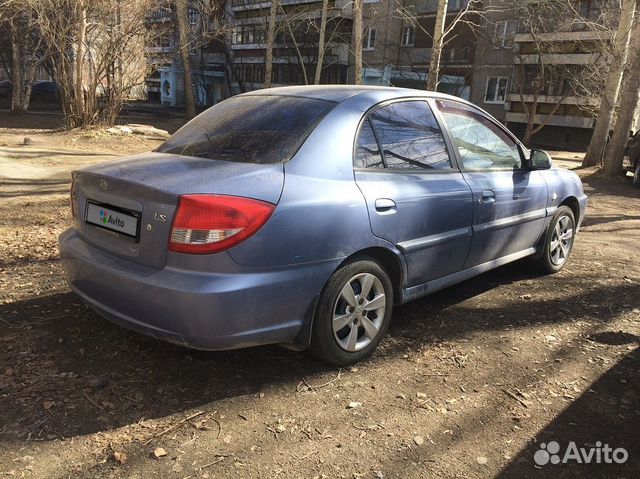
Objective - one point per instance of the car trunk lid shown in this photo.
(145, 188)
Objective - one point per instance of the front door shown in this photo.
(416, 197)
(509, 201)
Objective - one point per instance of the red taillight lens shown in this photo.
(209, 223)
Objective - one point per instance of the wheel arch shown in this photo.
(390, 262)
(388, 259)
(572, 202)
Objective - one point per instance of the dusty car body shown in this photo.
(353, 220)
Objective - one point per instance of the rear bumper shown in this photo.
(239, 308)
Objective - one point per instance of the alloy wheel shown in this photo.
(561, 240)
(358, 312)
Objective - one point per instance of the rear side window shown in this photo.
(249, 129)
(367, 150)
(409, 136)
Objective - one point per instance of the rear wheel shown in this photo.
(353, 313)
(558, 241)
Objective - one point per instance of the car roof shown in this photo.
(342, 93)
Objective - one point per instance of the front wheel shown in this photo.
(636, 174)
(558, 242)
(353, 313)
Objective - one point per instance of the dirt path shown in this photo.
(469, 382)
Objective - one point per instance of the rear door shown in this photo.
(416, 196)
(509, 200)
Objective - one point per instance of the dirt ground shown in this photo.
(469, 382)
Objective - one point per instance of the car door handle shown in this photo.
(385, 205)
(488, 196)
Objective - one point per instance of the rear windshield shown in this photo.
(249, 129)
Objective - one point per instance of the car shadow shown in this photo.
(607, 413)
(69, 371)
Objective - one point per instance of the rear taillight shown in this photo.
(210, 223)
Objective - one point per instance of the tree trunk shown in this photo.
(357, 41)
(323, 29)
(183, 40)
(80, 112)
(610, 94)
(436, 49)
(627, 108)
(17, 70)
(271, 33)
(531, 117)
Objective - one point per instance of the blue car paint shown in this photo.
(264, 290)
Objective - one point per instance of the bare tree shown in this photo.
(541, 81)
(436, 49)
(182, 20)
(27, 52)
(357, 41)
(271, 33)
(323, 29)
(473, 14)
(627, 106)
(96, 53)
(609, 97)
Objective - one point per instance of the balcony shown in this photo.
(563, 37)
(559, 59)
(553, 120)
(552, 99)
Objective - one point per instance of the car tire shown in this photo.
(558, 242)
(636, 174)
(348, 326)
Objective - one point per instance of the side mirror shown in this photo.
(539, 160)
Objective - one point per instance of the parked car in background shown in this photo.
(45, 92)
(301, 215)
(41, 91)
(5, 88)
(632, 158)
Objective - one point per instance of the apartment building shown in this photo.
(569, 114)
(296, 42)
(398, 40)
(208, 62)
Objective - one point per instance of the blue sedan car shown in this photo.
(300, 216)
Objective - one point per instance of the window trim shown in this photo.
(486, 87)
(455, 165)
(449, 138)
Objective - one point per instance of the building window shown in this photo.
(408, 36)
(496, 90)
(456, 54)
(369, 39)
(248, 34)
(193, 15)
(504, 33)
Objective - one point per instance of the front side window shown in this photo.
(409, 136)
(249, 129)
(481, 143)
